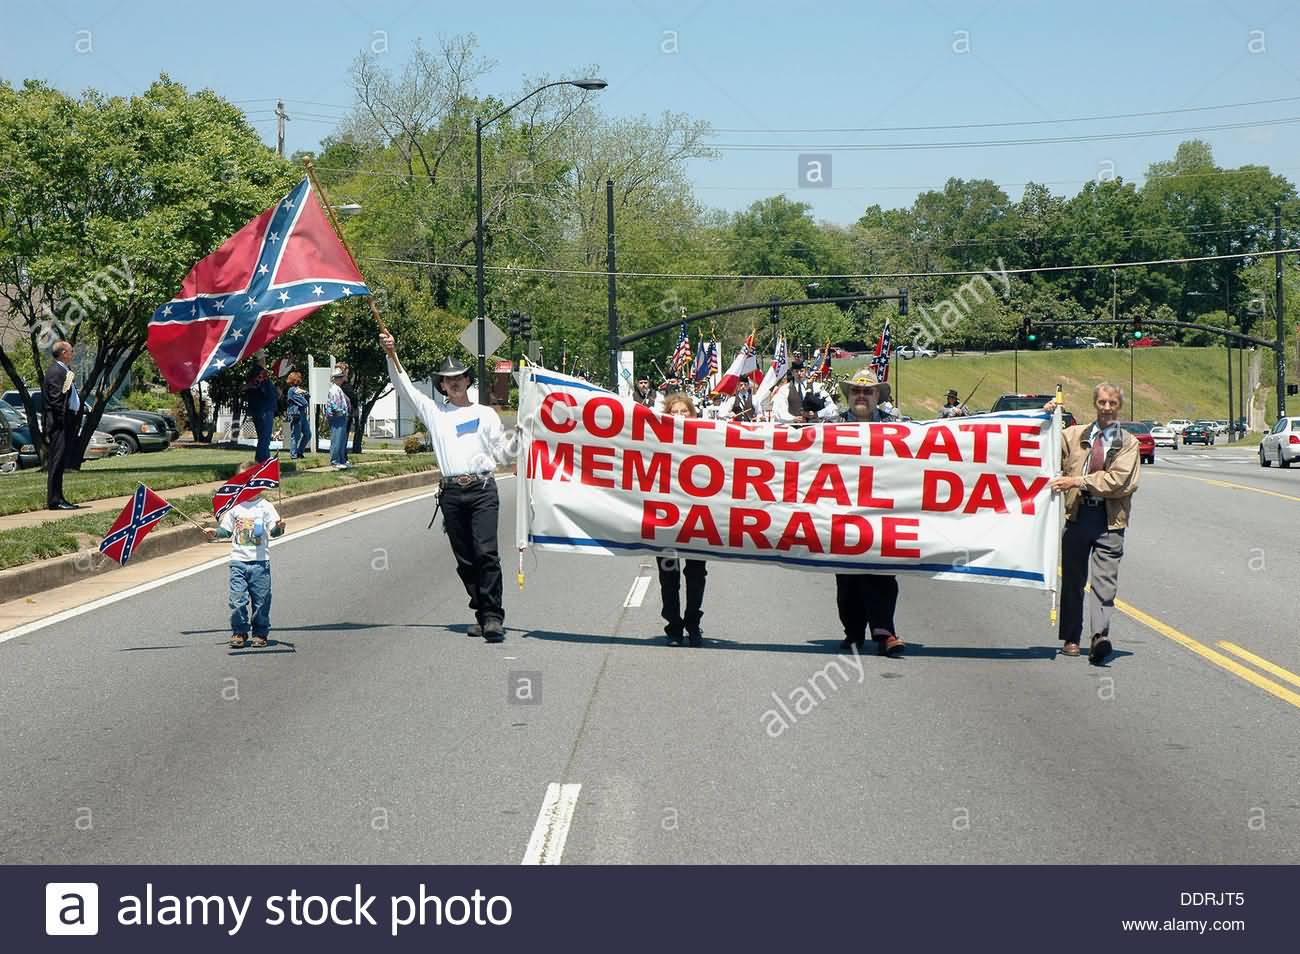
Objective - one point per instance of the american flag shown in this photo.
(246, 485)
(682, 355)
(140, 515)
(715, 362)
(880, 363)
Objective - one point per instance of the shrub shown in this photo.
(414, 445)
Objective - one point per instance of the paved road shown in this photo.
(379, 733)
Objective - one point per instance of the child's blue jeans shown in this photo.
(250, 581)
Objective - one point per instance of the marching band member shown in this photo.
(799, 401)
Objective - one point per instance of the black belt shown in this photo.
(465, 480)
(1091, 501)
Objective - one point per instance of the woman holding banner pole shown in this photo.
(673, 568)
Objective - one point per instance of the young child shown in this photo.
(249, 526)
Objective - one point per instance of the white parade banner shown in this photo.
(959, 499)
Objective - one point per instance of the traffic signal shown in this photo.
(1137, 327)
(514, 323)
(1027, 329)
(526, 325)
(774, 313)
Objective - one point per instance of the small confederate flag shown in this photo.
(140, 515)
(246, 485)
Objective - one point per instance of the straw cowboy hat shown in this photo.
(866, 378)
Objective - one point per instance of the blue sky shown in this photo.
(760, 66)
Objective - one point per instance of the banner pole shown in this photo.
(329, 212)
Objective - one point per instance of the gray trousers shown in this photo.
(1089, 548)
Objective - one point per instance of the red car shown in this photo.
(1146, 443)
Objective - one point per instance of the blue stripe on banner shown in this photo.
(568, 383)
(996, 572)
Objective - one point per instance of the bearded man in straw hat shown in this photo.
(867, 600)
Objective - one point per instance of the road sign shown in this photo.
(493, 337)
(505, 366)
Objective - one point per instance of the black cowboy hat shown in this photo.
(449, 368)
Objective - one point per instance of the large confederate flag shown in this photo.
(268, 276)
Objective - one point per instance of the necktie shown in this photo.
(1098, 458)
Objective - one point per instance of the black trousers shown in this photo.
(671, 571)
(866, 601)
(469, 516)
(60, 438)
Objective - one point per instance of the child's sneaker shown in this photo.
(237, 640)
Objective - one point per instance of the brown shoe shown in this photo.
(1070, 649)
(259, 642)
(890, 646)
(237, 640)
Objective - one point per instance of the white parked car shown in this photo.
(1220, 427)
(1089, 342)
(1165, 436)
(914, 351)
(1178, 425)
(1281, 444)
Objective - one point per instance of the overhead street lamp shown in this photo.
(479, 124)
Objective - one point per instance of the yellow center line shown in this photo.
(1225, 483)
(1260, 662)
(1220, 660)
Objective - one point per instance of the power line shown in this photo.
(974, 144)
(1100, 266)
(1023, 122)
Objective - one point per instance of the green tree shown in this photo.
(108, 203)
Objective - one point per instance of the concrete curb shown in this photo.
(17, 582)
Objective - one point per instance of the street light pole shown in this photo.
(479, 294)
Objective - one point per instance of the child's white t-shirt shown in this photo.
(240, 520)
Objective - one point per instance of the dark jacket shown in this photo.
(56, 415)
(261, 395)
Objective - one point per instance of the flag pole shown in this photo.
(181, 512)
(333, 221)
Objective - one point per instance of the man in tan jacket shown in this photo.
(1100, 467)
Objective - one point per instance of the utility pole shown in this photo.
(280, 117)
(1277, 307)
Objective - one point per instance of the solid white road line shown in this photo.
(546, 845)
(190, 571)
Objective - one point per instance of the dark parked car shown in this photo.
(165, 422)
(1029, 402)
(1199, 433)
(131, 433)
(8, 456)
(20, 437)
(1146, 441)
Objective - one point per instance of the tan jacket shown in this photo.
(1117, 482)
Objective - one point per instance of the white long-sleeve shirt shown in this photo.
(466, 440)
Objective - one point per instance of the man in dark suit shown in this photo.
(62, 402)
